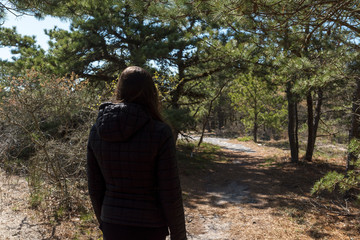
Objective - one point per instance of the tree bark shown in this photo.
(292, 109)
(255, 130)
(292, 124)
(206, 122)
(310, 120)
(296, 127)
(318, 111)
(313, 123)
(355, 124)
(177, 92)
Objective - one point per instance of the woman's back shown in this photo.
(126, 142)
(132, 170)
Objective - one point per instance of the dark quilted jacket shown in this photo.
(132, 171)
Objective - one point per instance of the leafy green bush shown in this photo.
(342, 182)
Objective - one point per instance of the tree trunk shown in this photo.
(221, 118)
(310, 120)
(292, 108)
(255, 130)
(206, 120)
(296, 129)
(313, 123)
(355, 124)
(318, 111)
(176, 94)
(292, 124)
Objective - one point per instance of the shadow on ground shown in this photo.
(245, 178)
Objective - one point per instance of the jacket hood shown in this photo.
(118, 122)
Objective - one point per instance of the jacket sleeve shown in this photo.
(169, 187)
(96, 182)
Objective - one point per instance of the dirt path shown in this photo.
(15, 217)
(226, 143)
(223, 206)
(258, 195)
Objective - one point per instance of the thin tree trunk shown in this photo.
(313, 123)
(318, 111)
(206, 120)
(255, 130)
(292, 119)
(292, 109)
(203, 128)
(310, 119)
(296, 129)
(176, 93)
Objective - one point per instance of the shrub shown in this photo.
(47, 121)
(245, 138)
(342, 182)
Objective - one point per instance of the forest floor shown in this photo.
(228, 195)
(261, 195)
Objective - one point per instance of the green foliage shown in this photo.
(87, 216)
(105, 38)
(244, 138)
(36, 199)
(28, 55)
(339, 181)
(192, 158)
(165, 85)
(179, 119)
(60, 8)
(328, 182)
(342, 182)
(109, 36)
(258, 103)
(354, 147)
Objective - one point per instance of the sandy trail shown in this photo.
(225, 143)
(15, 217)
(220, 202)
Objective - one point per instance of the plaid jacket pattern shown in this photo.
(132, 171)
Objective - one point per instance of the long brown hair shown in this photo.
(135, 85)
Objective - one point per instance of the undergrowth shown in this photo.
(245, 138)
(193, 158)
(45, 123)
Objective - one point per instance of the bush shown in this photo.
(245, 138)
(343, 182)
(46, 121)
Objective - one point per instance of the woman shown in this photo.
(132, 172)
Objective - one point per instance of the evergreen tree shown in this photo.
(260, 104)
(27, 54)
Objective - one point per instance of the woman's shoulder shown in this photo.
(163, 128)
